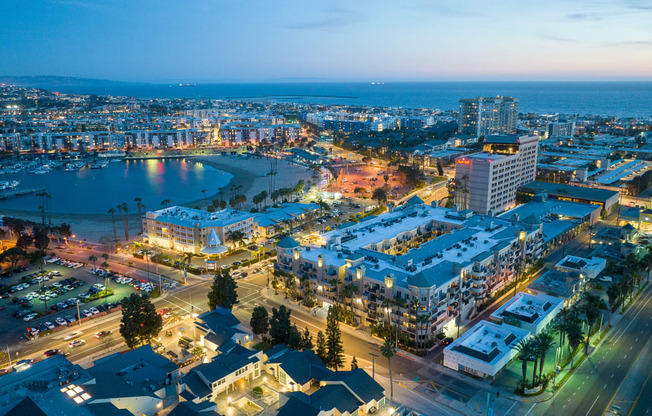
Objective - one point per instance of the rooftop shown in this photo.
(488, 341)
(559, 189)
(188, 217)
(528, 308)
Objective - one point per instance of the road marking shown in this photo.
(626, 375)
(510, 409)
(528, 412)
(639, 394)
(436, 389)
(618, 365)
(589, 411)
(625, 356)
(605, 386)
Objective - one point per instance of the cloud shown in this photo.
(629, 43)
(557, 38)
(584, 16)
(443, 10)
(639, 5)
(337, 18)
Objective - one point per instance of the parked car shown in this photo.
(49, 325)
(23, 364)
(94, 311)
(60, 321)
(30, 317)
(70, 319)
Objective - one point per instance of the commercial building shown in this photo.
(189, 230)
(589, 268)
(532, 312)
(432, 261)
(483, 116)
(605, 198)
(487, 182)
(565, 285)
(485, 349)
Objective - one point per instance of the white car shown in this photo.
(87, 313)
(31, 295)
(30, 317)
(60, 321)
(94, 310)
(50, 325)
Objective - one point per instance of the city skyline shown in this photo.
(225, 41)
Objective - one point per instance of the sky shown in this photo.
(328, 40)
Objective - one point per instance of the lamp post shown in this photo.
(373, 364)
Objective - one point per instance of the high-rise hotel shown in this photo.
(487, 182)
(483, 116)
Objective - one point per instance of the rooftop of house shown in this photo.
(42, 383)
(217, 320)
(528, 308)
(232, 357)
(188, 217)
(273, 216)
(579, 264)
(488, 342)
(138, 367)
(301, 366)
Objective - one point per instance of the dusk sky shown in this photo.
(314, 40)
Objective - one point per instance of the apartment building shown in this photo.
(486, 182)
(483, 116)
(189, 230)
(238, 133)
(427, 260)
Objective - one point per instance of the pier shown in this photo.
(7, 193)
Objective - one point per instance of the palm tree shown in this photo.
(123, 208)
(525, 349)
(575, 337)
(544, 341)
(592, 308)
(140, 213)
(422, 322)
(92, 258)
(115, 233)
(203, 191)
(613, 292)
(388, 350)
(517, 271)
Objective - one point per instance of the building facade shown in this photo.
(487, 182)
(483, 116)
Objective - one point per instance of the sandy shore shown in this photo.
(250, 174)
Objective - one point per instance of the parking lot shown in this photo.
(39, 301)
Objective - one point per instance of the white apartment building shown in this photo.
(532, 312)
(483, 116)
(484, 349)
(161, 139)
(237, 133)
(188, 230)
(486, 182)
(427, 260)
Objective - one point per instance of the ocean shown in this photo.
(625, 99)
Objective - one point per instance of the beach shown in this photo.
(249, 174)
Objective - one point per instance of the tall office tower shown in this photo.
(487, 181)
(483, 116)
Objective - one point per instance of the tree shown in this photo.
(613, 292)
(525, 350)
(307, 340)
(24, 240)
(543, 343)
(388, 350)
(335, 349)
(279, 325)
(321, 346)
(354, 363)
(295, 339)
(259, 320)
(92, 258)
(359, 191)
(140, 213)
(380, 195)
(140, 323)
(223, 292)
(440, 169)
(40, 235)
(592, 308)
(65, 230)
(115, 232)
(575, 337)
(14, 255)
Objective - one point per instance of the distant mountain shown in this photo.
(53, 82)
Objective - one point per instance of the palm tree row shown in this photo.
(534, 349)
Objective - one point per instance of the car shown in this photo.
(72, 336)
(70, 319)
(447, 341)
(60, 321)
(23, 364)
(76, 343)
(236, 275)
(93, 310)
(102, 334)
(49, 325)
(101, 308)
(50, 353)
(30, 317)
(87, 313)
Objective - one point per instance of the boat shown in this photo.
(75, 166)
(99, 165)
(8, 185)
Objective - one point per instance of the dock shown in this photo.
(7, 193)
